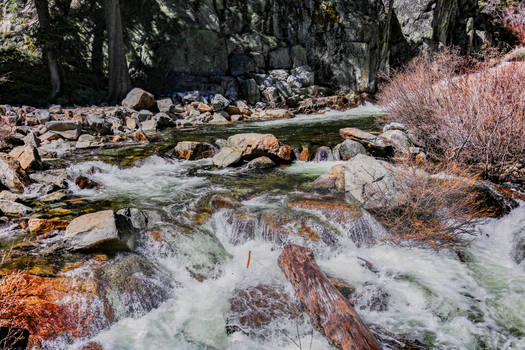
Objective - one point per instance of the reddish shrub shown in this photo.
(508, 14)
(440, 211)
(461, 110)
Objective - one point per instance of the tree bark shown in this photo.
(97, 49)
(42, 9)
(119, 81)
(328, 310)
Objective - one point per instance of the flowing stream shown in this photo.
(436, 299)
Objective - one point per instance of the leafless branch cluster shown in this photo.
(473, 117)
(437, 211)
(13, 288)
(509, 14)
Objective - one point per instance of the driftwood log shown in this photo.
(328, 310)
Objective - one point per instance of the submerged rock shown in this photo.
(323, 154)
(254, 308)
(356, 223)
(81, 304)
(103, 230)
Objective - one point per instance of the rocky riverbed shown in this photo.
(131, 237)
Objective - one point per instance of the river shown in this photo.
(437, 300)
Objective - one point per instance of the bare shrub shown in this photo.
(439, 211)
(13, 288)
(461, 109)
(507, 14)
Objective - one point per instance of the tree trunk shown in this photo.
(42, 9)
(329, 311)
(97, 49)
(119, 81)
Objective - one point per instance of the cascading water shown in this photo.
(434, 299)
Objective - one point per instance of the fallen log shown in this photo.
(328, 310)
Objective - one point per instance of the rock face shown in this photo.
(222, 46)
(103, 230)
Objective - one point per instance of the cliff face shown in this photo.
(232, 46)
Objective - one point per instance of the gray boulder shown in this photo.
(376, 183)
(349, 149)
(219, 102)
(98, 125)
(86, 141)
(397, 138)
(227, 156)
(103, 230)
(138, 99)
(165, 105)
(62, 125)
(58, 148)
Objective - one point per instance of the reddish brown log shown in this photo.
(329, 311)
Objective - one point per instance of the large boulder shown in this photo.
(139, 99)
(191, 150)
(11, 174)
(375, 183)
(257, 145)
(103, 230)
